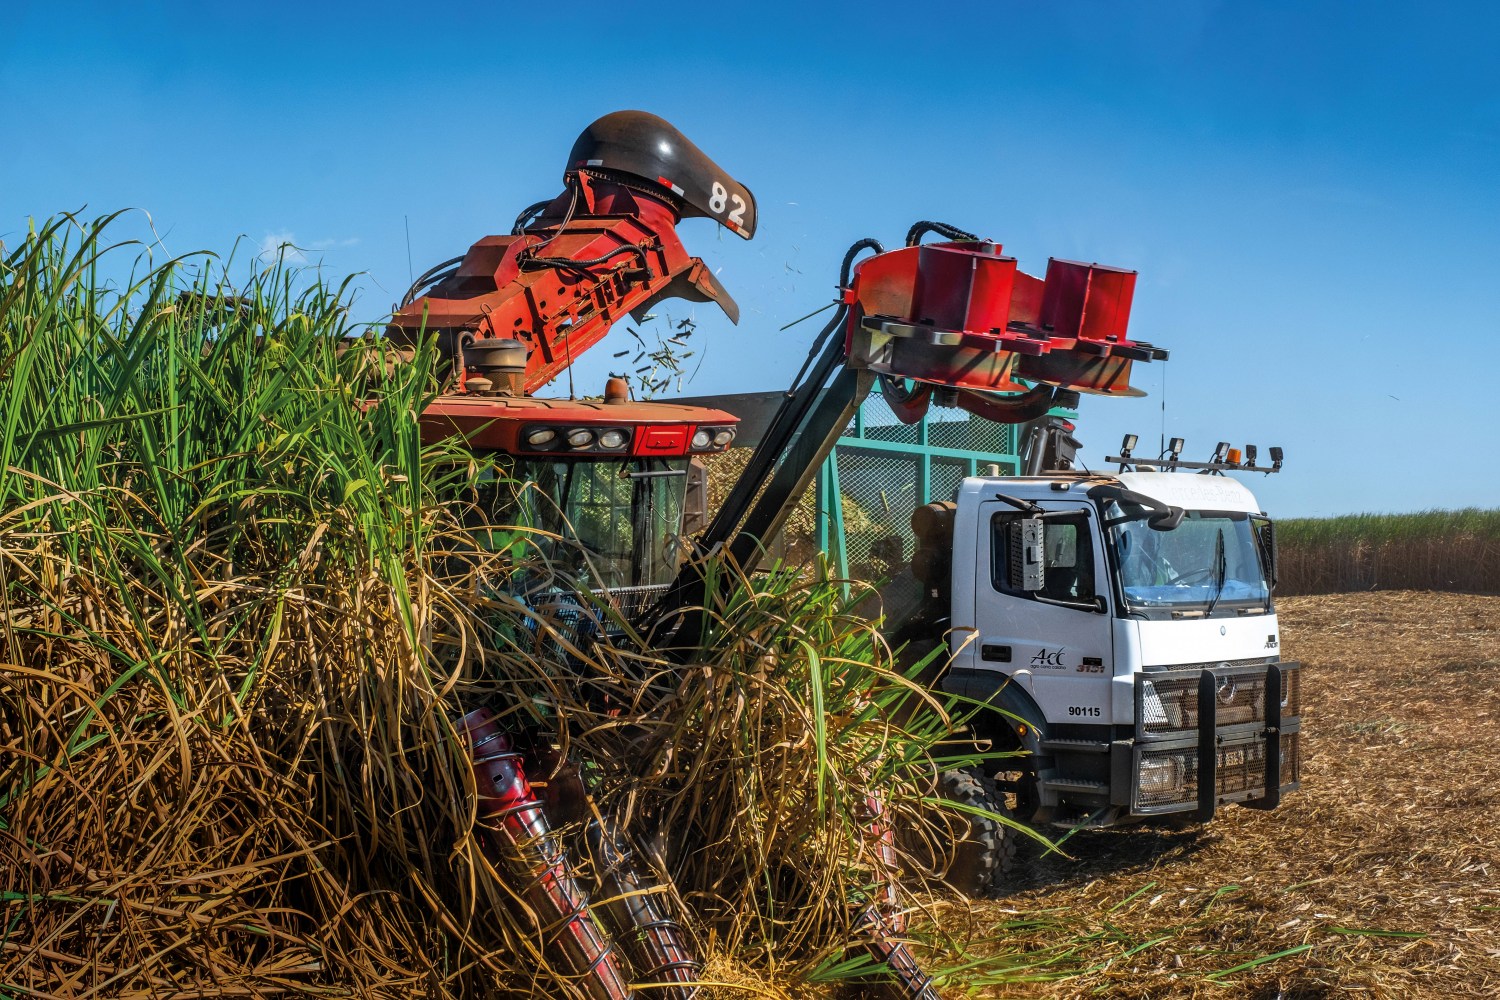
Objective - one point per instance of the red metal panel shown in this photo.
(962, 289)
(1089, 301)
(671, 440)
(961, 315)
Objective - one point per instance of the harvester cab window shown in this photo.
(625, 517)
(604, 524)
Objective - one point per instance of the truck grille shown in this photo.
(1167, 702)
(632, 602)
(1253, 661)
(579, 625)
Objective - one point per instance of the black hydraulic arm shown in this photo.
(800, 436)
(833, 410)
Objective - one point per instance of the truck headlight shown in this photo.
(1166, 778)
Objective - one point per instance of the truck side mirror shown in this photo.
(1028, 555)
(1267, 536)
(1166, 520)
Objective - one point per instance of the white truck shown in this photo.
(1122, 629)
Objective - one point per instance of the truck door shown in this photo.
(1056, 641)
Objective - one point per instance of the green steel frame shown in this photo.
(862, 438)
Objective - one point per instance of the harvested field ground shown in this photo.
(1380, 878)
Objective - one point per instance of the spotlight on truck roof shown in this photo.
(1174, 447)
(1127, 445)
(1221, 451)
(1249, 454)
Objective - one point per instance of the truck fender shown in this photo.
(1019, 715)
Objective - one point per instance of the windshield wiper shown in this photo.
(1221, 570)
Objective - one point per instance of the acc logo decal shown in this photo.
(1046, 659)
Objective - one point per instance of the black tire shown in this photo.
(987, 852)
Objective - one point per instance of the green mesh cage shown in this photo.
(882, 470)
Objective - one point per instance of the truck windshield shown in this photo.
(618, 523)
(1210, 563)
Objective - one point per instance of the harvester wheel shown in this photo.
(988, 850)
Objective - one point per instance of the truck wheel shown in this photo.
(988, 850)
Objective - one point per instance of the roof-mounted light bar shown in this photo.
(1224, 459)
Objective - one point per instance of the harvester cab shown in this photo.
(603, 479)
(606, 475)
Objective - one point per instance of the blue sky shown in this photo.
(1309, 191)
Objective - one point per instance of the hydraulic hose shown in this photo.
(1029, 405)
(918, 230)
(529, 215)
(528, 263)
(431, 276)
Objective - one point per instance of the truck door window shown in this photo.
(1068, 573)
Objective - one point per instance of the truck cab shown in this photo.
(1124, 628)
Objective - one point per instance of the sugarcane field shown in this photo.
(957, 512)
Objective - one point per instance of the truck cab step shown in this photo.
(1076, 785)
(1074, 746)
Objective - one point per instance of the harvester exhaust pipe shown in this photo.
(521, 841)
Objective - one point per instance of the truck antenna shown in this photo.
(410, 275)
(1163, 450)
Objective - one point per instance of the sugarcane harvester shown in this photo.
(509, 316)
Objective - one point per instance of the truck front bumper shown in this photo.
(1204, 738)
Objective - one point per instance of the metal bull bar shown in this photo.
(1210, 741)
(1228, 734)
